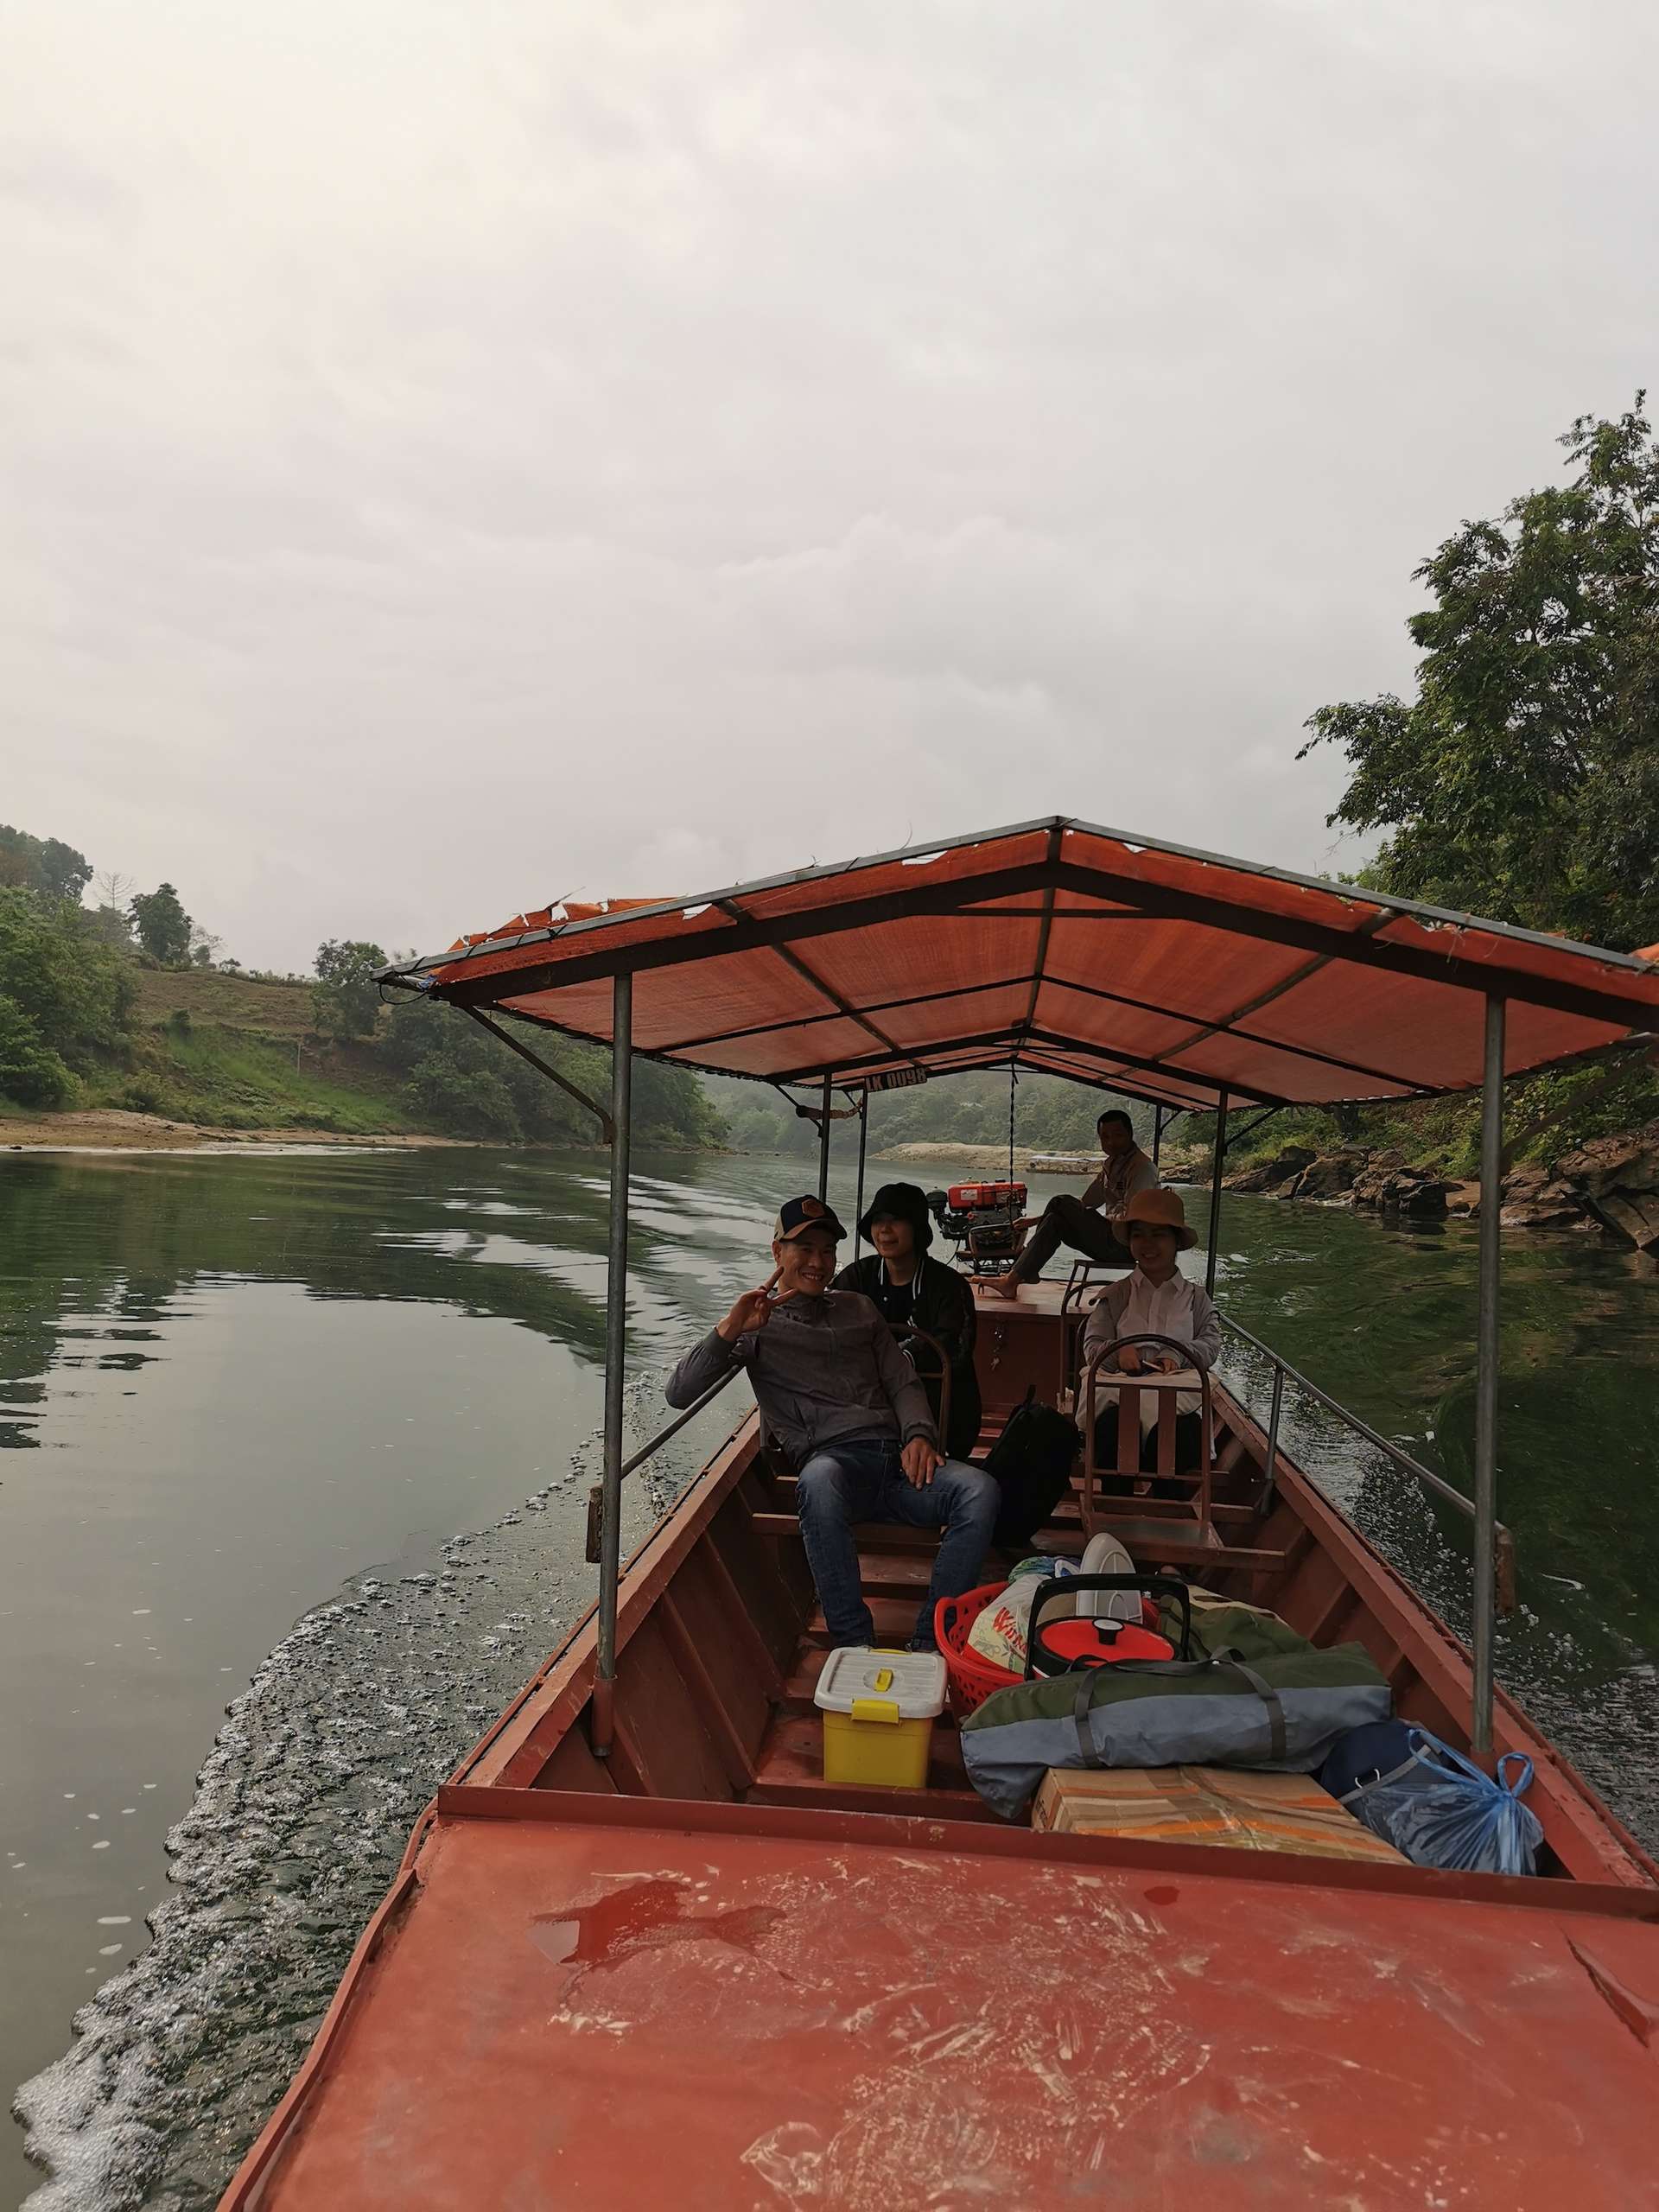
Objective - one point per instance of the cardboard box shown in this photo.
(1236, 1808)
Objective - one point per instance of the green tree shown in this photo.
(30, 1072)
(162, 925)
(112, 925)
(345, 1002)
(469, 1082)
(46, 865)
(65, 997)
(1522, 781)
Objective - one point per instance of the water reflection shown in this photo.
(226, 1383)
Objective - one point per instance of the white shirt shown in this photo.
(1162, 1309)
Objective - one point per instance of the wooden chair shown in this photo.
(1076, 1305)
(1180, 1529)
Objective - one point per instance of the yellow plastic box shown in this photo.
(879, 1708)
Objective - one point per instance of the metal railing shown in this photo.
(1503, 1560)
(596, 1495)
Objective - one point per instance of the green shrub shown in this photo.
(30, 1072)
(143, 1094)
(66, 996)
(473, 1102)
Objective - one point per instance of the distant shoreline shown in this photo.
(1028, 1159)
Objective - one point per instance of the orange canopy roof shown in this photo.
(1087, 952)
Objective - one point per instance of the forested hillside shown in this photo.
(127, 1005)
(1050, 1114)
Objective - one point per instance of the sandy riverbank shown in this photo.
(112, 1129)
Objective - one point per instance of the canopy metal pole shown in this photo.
(824, 1127)
(1272, 1432)
(1157, 1132)
(863, 1132)
(1492, 1200)
(1214, 1192)
(616, 1331)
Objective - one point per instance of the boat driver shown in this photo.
(840, 1398)
(1085, 1224)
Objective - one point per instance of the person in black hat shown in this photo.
(912, 1291)
(838, 1395)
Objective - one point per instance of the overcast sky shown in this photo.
(456, 455)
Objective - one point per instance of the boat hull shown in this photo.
(695, 1967)
(616, 2000)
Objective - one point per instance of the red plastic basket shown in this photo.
(970, 1679)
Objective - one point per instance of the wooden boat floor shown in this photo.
(896, 1566)
(613, 2001)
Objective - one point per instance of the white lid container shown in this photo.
(913, 1681)
(1103, 1555)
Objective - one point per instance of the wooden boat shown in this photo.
(639, 1948)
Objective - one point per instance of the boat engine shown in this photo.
(982, 1220)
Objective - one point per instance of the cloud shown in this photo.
(455, 457)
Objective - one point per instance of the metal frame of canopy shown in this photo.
(460, 977)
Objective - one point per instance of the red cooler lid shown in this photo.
(1099, 1643)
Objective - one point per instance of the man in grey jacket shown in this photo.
(843, 1400)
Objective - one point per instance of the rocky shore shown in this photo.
(1608, 1186)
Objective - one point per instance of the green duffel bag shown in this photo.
(1260, 1696)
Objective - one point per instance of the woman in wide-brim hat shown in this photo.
(915, 1291)
(1156, 1300)
(1158, 1208)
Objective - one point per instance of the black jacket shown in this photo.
(943, 1306)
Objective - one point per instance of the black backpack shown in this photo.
(1032, 1461)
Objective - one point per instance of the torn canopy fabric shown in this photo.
(1086, 952)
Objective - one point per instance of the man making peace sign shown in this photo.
(839, 1396)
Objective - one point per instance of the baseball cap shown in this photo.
(795, 1216)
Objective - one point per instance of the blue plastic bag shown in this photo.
(1439, 1809)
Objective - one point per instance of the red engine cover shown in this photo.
(984, 1197)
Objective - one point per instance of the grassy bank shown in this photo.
(211, 1052)
(227, 1053)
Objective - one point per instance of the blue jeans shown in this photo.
(860, 1478)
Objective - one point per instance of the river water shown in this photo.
(293, 1452)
